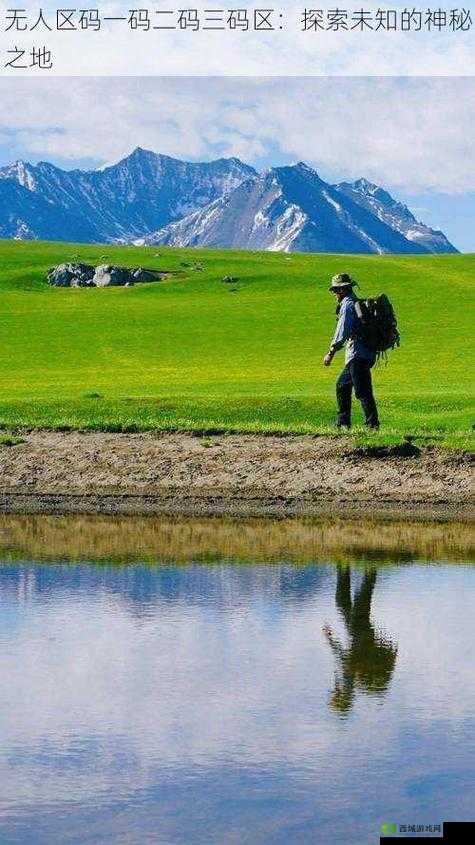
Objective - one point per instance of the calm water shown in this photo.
(274, 701)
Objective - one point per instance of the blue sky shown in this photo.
(412, 136)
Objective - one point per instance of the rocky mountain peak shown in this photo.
(160, 199)
(290, 208)
(128, 199)
(19, 170)
(305, 169)
(365, 186)
(372, 191)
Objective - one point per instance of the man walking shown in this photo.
(359, 358)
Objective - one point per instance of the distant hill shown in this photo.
(149, 198)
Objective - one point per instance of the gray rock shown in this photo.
(77, 275)
(82, 283)
(63, 275)
(108, 275)
(142, 275)
(60, 277)
(84, 272)
(230, 280)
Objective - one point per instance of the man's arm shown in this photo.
(342, 333)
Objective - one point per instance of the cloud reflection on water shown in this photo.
(178, 703)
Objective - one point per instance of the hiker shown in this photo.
(359, 358)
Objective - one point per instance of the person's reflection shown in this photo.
(368, 661)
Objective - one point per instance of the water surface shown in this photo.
(233, 682)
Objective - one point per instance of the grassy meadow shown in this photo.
(192, 352)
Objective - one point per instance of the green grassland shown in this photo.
(192, 352)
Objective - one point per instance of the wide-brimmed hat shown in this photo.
(342, 280)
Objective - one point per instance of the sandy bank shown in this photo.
(54, 472)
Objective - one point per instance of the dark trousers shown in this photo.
(357, 375)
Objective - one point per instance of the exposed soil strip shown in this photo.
(55, 472)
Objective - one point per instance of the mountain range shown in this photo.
(155, 199)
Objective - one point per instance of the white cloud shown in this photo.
(413, 134)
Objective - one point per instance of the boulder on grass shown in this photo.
(77, 275)
(82, 283)
(108, 275)
(142, 275)
(63, 275)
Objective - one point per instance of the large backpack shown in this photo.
(378, 324)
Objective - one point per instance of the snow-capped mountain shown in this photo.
(155, 199)
(396, 215)
(291, 209)
(26, 215)
(131, 198)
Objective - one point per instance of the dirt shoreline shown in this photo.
(239, 475)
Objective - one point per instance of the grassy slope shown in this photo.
(190, 352)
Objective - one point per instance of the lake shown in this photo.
(225, 681)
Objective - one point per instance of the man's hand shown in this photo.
(327, 359)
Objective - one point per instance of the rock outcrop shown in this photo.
(78, 275)
(71, 275)
(108, 275)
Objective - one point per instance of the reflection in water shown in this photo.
(144, 589)
(148, 698)
(182, 539)
(368, 662)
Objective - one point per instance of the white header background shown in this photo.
(116, 50)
